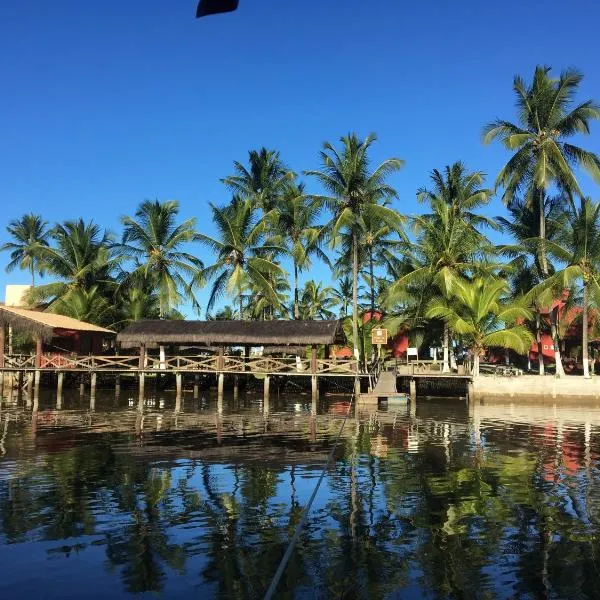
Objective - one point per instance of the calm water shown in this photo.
(190, 503)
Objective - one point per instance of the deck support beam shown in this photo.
(29, 388)
(314, 384)
(59, 389)
(220, 385)
(81, 385)
(38, 351)
(266, 389)
(236, 387)
(93, 383)
(196, 386)
(36, 383)
(117, 385)
(413, 397)
(141, 386)
(178, 384)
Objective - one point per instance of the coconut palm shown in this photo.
(448, 247)
(263, 182)
(577, 247)
(343, 293)
(29, 235)
(543, 157)
(263, 307)
(355, 190)
(480, 313)
(294, 220)
(135, 302)
(81, 258)
(154, 241)
(243, 261)
(317, 301)
(526, 266)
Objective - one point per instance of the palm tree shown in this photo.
(240, 255)
(263, 182)
(354, 190)
(543, 157)
(342, 293)
(479, 313)
(448, 248)
(30, 235)
(577, 247)
(317, 301)
(81, 259)
(294, 219)
(154, 241)
(135, 302)
(525, 264)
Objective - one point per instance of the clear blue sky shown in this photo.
(104, 104)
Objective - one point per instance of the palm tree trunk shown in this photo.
(560, 371)
(372, 281)
(296, 305)
(32, 274)
(584, 337)
(475, 371)
(241, 304)
(538, 335)
(542, 217)
(446, 366)
(355, 295)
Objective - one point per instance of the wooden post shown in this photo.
(93, 383)
(2, 341)
(196, 387)
(220, 384)
(178, 384)
(141, 386)
(356, 387)
(413, 397)
(38, 351)
(1, 385)
(266, 390)
(59, 389)
(29, 388)
(142, 363)
(92, 402)
(81, 385)
(313, 359)
(236, 387)
(117, 385)
(220, 359)
(314, 387)
(20, 376)
(36, 384)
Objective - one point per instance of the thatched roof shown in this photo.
(295, 350)
(45, 324)
(231, 333)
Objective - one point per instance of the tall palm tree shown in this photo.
(81, 258)
(355, 190)
(242, 259)
(525, 264)
(155, 241)
(543, 157)
(481, 315)
(448, 247)
(29, 235)
(294, 220)
(343, 293)
(317, 301)
(263, 182)
(577, 247)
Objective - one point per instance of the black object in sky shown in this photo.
(213, 7)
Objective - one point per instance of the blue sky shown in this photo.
(108, 103)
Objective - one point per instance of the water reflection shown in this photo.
(183, 498)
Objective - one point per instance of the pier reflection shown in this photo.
(201, 497)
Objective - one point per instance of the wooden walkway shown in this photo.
(386, 384)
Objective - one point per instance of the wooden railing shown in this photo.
(198, 364)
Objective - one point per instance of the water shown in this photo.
(501, 503)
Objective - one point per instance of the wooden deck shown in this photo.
(260, 365)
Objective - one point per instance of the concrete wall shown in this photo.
(533, 386)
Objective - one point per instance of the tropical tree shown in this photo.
(294, 220)
(525, 266)
(547, 118)
(577, 248)
(317, 301)
(29, 235)
(263, 182)
(480, 313)
(81, 258)
(343, 293)
(448, 247)
(243, 261)
(155, 242)
(354, 190)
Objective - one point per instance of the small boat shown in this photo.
(397, 399)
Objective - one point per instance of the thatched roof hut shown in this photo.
(44, 324)
(153, 333)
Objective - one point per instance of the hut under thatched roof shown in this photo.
(59, 332)
(153, 333)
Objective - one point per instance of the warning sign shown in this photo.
(379, 336)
